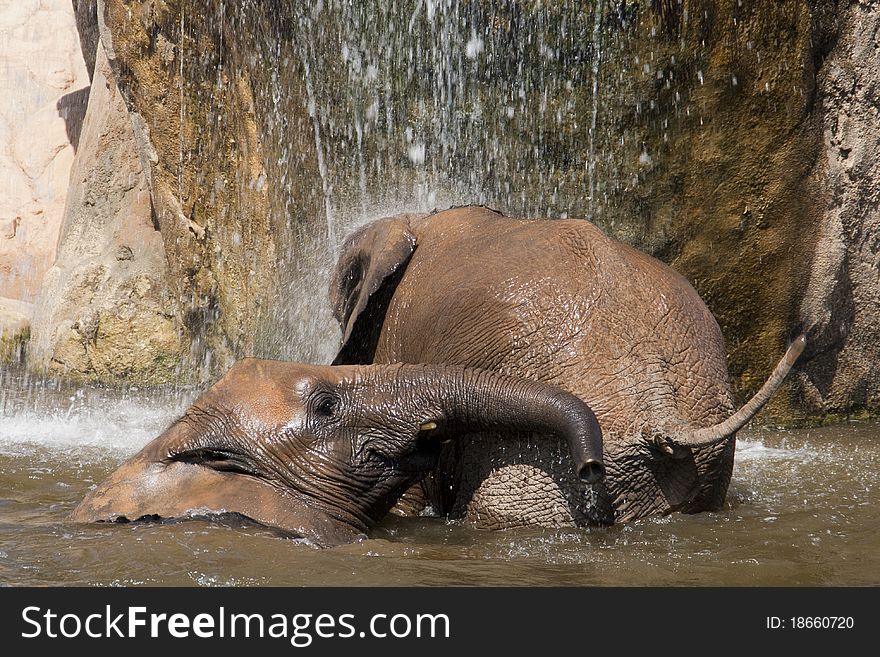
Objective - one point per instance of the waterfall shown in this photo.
(423, 104)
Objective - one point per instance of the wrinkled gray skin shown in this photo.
(324, 452)
(560, 302)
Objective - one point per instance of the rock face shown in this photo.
(737, 141)
(720, 116)
(190, 88)
(751, 150)
(43, 89)
(105, 311)
(842, 297)
(15, 321)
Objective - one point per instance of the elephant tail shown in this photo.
(718, 432)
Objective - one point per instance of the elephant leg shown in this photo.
(516, 479)
(412, 502)
(714, 470)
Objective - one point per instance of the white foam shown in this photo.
(118, 427)
(755, 450)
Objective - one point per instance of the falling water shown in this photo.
(374, 107)
(181, 45)
(597, 58)
(319, 147)
(415, 105)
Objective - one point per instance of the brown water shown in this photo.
(803, 510)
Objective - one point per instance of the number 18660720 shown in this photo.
(810, 623)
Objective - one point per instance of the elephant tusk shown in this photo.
(428, 426)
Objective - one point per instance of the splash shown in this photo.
(94, 422)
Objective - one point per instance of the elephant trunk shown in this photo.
(478, 399)
(711, 435)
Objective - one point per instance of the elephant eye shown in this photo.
(326, 405)
(219, 459)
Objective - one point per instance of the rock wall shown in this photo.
(721, 118)
(105, 310)
(841, 296)
(737, 141)
(43, 92)
(750, 162)
(190, 76)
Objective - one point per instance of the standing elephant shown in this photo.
(559, 302)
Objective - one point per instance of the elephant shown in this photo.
(555, 301)
(323, 452)
(505, 371)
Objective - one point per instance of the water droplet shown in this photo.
(473, 47)
(416, 153)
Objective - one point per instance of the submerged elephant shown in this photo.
(498, 318)
(324, 452)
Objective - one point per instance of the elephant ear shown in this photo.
(371, 264)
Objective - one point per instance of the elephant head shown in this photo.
(323, 452)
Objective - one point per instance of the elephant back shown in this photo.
(559, 301)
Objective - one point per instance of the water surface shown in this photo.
(802, 510)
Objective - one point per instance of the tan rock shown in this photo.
(842, 299)
(104, 310)
(16, 189)
(15, 322)
(15, 13)
(34, 157)
(42, 66)
(48, 45)
(220, 234)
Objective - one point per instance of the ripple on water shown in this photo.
(802, 509)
